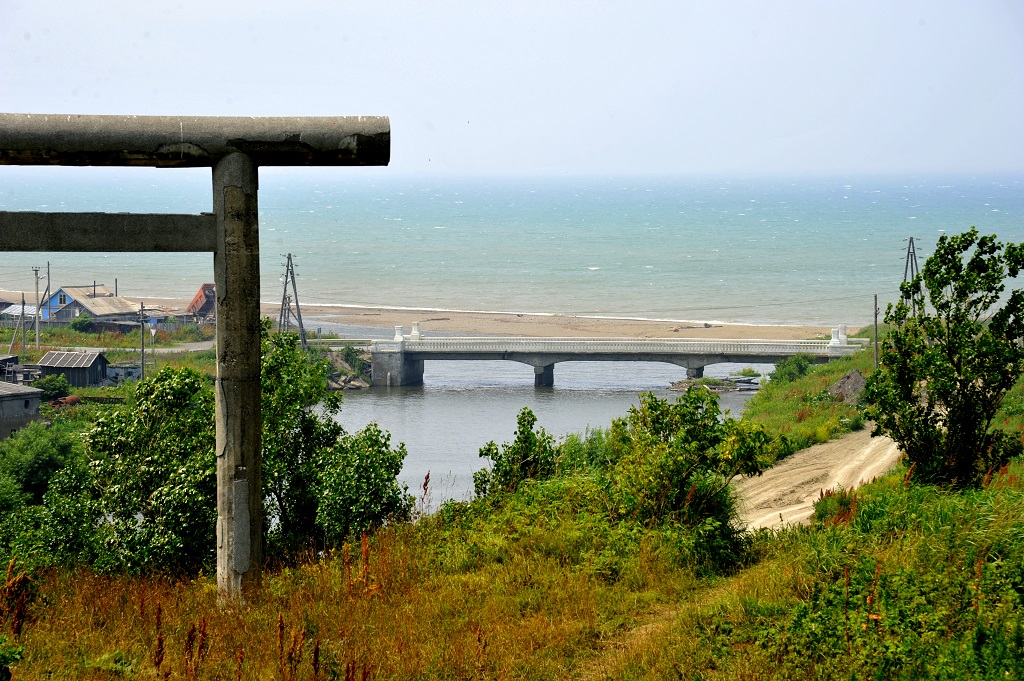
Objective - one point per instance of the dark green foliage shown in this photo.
(82, 323)
(357, 490)
(146, 499)
(154, 473)
(53, 386)
(531, 455)
(676, 459)
(791, 368)
(294, 432)
(9, 654)
(31, 456)
(953, 351)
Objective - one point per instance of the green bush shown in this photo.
(82, 323)
(53, 386)
(676, 459)
(32, 456)
(792, 368)
(531, 455)
(357, 489)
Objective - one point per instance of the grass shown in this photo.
(891, 581)
(803, 410)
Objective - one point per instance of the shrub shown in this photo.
(82, 323)
(53, 386)
(791, 368)
(676, 459)
(530, 455)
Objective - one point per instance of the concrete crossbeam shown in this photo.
(192, 141)
(107, 232)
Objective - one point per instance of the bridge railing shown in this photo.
(818, 348)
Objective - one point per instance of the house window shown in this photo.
(62, 299)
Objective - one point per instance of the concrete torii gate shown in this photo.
(234, 147)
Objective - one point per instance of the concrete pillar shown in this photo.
(695, 372)
(544, 376)
(398, 334)
(415, 335)
(390, 367)
(236, 263)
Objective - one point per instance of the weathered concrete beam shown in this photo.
(191, 141)
(107, 232)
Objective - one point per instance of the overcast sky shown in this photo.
(550, 86)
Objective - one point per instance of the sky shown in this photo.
(547, 87)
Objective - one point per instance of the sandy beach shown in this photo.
(509, 324)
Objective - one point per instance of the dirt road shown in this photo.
(786, 493)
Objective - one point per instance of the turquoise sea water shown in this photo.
(729, 249)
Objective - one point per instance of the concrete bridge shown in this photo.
(400, 361)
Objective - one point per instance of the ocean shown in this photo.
(775, 251)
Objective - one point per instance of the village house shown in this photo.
(204, 303)
(99, 309)
(67, 294)
(19, 405)
(80, 368)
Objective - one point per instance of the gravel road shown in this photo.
(786, 493)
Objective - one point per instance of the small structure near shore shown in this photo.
(80, 368)
(19, 405)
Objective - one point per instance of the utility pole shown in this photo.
(142, 335)
(284, 320)
(910, 270)
(36, 270)
(876, 332)
(46, 294)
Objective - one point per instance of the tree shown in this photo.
(53, 386)
(675, 460)
(953, 351)
(531, 454)
(82, 323)
(154, 473)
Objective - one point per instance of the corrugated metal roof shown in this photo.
(56, 358)
(18, 390)
(77, 292)
(101, 307)
(30, 310)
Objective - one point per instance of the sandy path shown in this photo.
(786, 493)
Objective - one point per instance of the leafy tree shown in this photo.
(531, 454)
(791, 368)
(356, 486)
(53, 386)
(82, 323)
(33, 455)
(154, 471)
(953, 351)
(676, 459)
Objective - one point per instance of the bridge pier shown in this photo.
(695, 372)
(544, 376)
(389, 366)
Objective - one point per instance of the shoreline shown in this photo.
(530, 324)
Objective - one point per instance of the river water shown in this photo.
(464, 404)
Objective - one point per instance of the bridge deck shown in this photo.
(400, 361)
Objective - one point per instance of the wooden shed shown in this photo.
(80, 368)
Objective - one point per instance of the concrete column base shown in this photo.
(391, 368)
(695, 372)
(544, 377)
